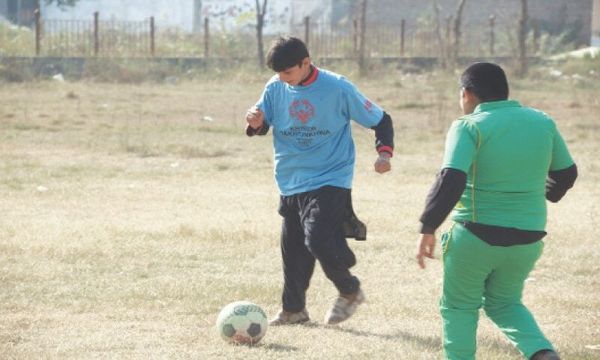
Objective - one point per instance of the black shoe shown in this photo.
(545, 355)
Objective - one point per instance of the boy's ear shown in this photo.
(306, 61)
(470, 95)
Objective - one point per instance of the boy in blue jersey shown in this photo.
(309, 110)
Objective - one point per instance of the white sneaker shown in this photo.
(289, 318)
(344, 307)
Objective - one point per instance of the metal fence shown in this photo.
(95, 37)
(79, 38)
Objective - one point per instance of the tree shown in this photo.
(442, 56)
(260, 23)
(457, 34)
(362, 64)
(61, 3)
(522, 40)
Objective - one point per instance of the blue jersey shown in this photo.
(312, 137)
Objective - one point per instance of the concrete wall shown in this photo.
(241, 15)
(282, 16)
(189, 15)
(3, 8)
(167, 13)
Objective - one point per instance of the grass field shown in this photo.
(130, 214)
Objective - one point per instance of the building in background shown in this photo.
(188, 15)
(18, 12)
(552, 16)
(167, 13)
(287, 16)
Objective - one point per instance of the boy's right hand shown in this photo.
(255, 118)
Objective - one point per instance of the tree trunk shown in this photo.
(438, 35)
(457, 33)
(260, 21)
(362, 64)
(522, 39)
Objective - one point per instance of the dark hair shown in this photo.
(486, 80)
(285, 53)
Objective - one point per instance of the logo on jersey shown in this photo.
(368, 105)
(302, 110)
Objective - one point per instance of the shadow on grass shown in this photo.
(424, 341)
(428, 342)
(279, 347)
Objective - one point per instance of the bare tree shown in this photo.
(61, 3)
(438, 34)
(522, 39)
(362, 64)
(260, 23)
(456, 33)
(38, 8)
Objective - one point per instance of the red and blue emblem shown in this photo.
(302, 110)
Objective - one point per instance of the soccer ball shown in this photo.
(242, 322)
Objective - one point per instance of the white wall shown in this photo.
(318, 10)
(596, 24)
(222, 14)
(167, 13)
(241, 15)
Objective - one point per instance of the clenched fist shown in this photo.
(383, 163)
(255, 117)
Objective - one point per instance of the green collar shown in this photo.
(492, 105)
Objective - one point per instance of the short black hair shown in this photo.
(286, 52)
(486, 80)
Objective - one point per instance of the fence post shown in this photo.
(448, 41)
(536, 35)
(96, 34)
(206, 38)
(306, 29)
(355, 36)
(492, 35)
(152, 33)
(402, 33)
(38, 31)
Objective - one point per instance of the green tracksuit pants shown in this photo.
(477, 275)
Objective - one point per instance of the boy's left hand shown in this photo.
(383, 163)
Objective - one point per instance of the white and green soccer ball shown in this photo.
(242, 322)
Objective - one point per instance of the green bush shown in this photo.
(16, 40)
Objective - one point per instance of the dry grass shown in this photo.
(128, 219)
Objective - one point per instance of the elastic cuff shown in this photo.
(387, 149)
(426, 229)
(250, 131)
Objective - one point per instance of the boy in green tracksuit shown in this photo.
(501, 162)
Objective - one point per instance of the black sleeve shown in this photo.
(384, 134)
(559, 181)
(445, 192)
(261, 131)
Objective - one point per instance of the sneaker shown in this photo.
(545, 355)
(289, 318)
(344, 307)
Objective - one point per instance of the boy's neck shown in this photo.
(310, 77)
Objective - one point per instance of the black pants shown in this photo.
(312, 230)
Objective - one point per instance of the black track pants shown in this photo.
(312, 230)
